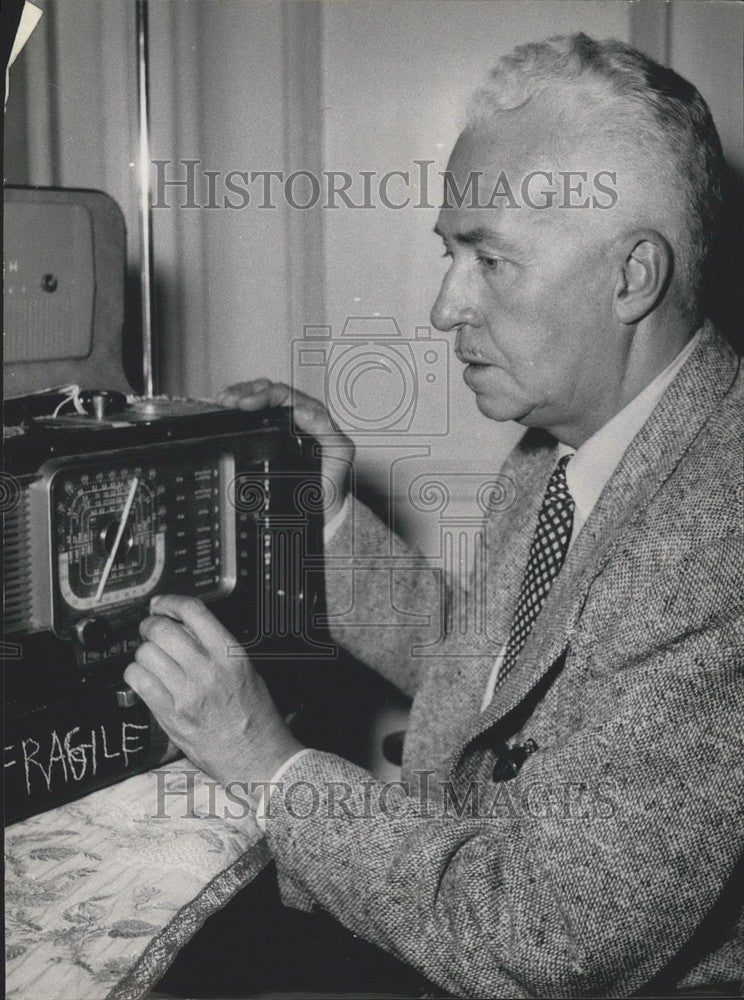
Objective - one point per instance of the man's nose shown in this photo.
(454, 307)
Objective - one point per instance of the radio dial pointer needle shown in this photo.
(119, 532)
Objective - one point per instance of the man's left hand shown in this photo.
(206, 696)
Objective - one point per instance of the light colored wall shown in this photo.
(396, 76)
(706, 45)
(218, 98)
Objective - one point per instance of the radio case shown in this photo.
(226, 509)
(105, 507)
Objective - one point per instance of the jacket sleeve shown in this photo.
(531, 891)
(383, 598)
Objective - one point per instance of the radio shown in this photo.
(107, 507)
(109, 498)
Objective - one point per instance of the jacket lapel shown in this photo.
(648, 462)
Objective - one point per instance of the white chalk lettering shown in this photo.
(77, 756)
(57, 754)
(106, 754)
(66, 758)
(125, 737)
(28, 760)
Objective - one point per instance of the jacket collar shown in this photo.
(650, 459)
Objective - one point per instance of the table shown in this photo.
(102, 893)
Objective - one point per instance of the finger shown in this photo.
(151, 690)
(262, 392)
(198, 619)
(175, 639)
(161, 666)
(311, 417)
(232, 393)
(259, 396)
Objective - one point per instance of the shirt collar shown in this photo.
(594, 462)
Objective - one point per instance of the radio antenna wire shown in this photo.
(145, 196)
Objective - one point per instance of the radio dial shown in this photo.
(107, 538)
(94, 633)
(126, 525)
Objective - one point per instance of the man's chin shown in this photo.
(501, 409)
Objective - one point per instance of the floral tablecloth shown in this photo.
(101, 893)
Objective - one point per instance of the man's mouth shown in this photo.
(471, 357)
(478, 376)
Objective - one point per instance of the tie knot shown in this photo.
(558, 490)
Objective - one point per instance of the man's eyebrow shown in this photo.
(479, 234)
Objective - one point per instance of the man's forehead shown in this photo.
(485, 148)
(515, 171)
(516, 143)
(484, 180)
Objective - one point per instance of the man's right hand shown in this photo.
(310, 417)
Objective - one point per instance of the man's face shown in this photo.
(528, 290)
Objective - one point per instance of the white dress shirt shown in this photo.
(587, 473)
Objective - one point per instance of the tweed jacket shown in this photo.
(612, 863)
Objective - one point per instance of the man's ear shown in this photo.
(646, 265)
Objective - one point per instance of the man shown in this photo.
(611, 665)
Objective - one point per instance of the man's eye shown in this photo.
(488, 263)
(447, 253)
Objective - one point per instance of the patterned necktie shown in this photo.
(547, 552)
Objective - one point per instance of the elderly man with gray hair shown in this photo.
(569, 820)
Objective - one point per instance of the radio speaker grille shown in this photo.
(17, 571)
(64, 254)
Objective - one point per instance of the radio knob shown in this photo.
(126, 698)
(94, 633)
(102, 403)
